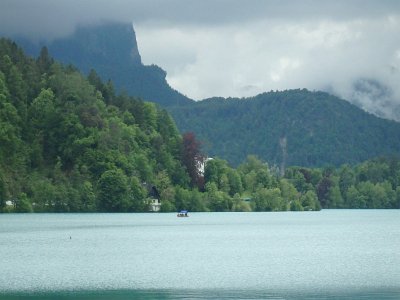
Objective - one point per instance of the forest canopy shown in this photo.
(69, 143)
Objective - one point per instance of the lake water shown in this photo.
(332, 254)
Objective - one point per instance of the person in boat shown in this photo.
(183, 213)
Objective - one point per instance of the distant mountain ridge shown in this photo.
(295, 127)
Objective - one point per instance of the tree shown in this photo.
(296, 205)
(2, 192)
(197, 201)
(309, 201)
(167, 206)
(182, 198)
(44, 60)
(165, 188)
(113, 191)
(88, 197)
(218, 200)
(354, 199)
(239, 204)
(18, 91)
(10, 125)
(374, 194)
(43, 193)
(300, 181)
(150, 116)
(250, 181)
(42, 110)
(138, 195)
(289, 193)
(143, 166)
(397, 203)
(323, 188)
(192, 158)
(335, 198)
(268, 200)
(346, 179)
(235, 182)
(23, 204)
(95, 80)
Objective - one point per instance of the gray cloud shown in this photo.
(243, 47)
(51, 18)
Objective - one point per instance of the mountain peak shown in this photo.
(104, 44)
(111, 49)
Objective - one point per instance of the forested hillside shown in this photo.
(294, 127)
(111, 49)
(69, 143)
(297, 127)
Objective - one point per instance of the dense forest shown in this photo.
(70, 143)
(285, 128)
(371, 184)
(94, 47)
(295, 127)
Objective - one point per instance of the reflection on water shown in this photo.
(332, 254)
(386, 294)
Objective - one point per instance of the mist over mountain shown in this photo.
(375, 97)
(111, 49)
(295, 127)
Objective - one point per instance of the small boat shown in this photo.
(182, 213)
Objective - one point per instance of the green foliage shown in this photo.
(268, 200)
(217, 200)
(94, 47)
(286, 128)
(23, 204)
(167, 206)
(240, 205)
(138, 195)
(88, 197)
(70, 144)
(3, 195)
(371, 184)
(296, 206)
(113, 191)
(309, 201)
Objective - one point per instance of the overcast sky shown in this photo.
(244, 47)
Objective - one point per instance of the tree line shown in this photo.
(292, 127)
(70, 143)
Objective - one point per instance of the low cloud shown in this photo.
(331, 55)
(243, 47)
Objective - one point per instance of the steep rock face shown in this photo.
(108, 45)
(111, 49)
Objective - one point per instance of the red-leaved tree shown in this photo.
(193, 159)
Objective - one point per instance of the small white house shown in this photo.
(154, 197)
(155, 204)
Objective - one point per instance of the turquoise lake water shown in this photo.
(332, 254)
